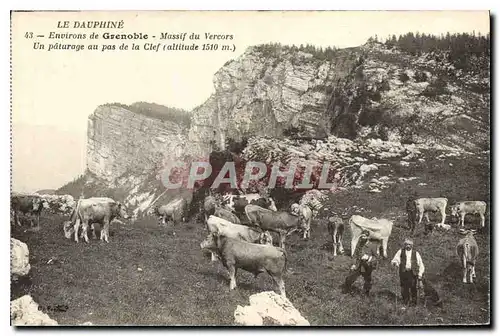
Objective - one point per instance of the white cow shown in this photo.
(469, 207)
(379, 229)
(424, 205)
(306, 213)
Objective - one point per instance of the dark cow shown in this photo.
(209, 205)
(238, 203)
(95, 210)
(467, 252)
(281, 222)
(222, 226)
(254, 258)
(27, 204)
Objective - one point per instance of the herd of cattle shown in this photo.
(239, 227)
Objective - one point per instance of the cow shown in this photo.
(254, 258)
(237, 203)
(174, 210)
(468, 207)
(226, 214)
(379, 229)
(424, 205)
(467, 252)
(100, 210)
(237, 231)
(336, 230)
(281, 222)
(27, 204)
(306, 212)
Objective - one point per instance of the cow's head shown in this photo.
(37, 203)
(210, 242)
(266, 238)
(69, 229)
(122, 211)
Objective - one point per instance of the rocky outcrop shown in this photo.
(24, 312)
(269, 308)
(19, 259)
(120, 141)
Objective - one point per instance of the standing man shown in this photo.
(366, 262)
(411, 270)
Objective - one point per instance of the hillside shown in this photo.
(380, 91)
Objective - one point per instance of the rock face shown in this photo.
(121, 141)
(266, 92)
(274, 94)
(24, 312)
(269, 308)
(19, 258)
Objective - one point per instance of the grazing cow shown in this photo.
(254, 258)
(100, 210)
(306, 212)
(27, 204)
(379, 229)
(174, 210)
(424, 205)
(252, 235)
(281, 222)
(227, 215)
(237, 203)
(468, 207)
(336, 230)
(467, 251)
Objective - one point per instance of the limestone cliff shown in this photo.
(121, 141)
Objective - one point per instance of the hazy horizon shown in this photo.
(55, 92)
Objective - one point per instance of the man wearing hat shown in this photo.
(366, 262)
(411, 270)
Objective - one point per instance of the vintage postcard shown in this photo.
(250, 168)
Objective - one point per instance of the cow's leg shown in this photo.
(77, 227)
(334, 238)
(106, 229)
(85, 226)
(384, 247)
(278, 280)
(462, 218)
(354, 243)
(341, 246)
(232, 276)
(482, 219)
(213, 256)
(92, 227)
(282, 237)
(443, 215)
(427, 220)
(16, 218)
(464, 267)
(473, 271)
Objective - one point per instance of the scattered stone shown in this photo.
(19, 259)
(269, 306)
(24, 312)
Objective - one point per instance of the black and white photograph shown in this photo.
(251, 168)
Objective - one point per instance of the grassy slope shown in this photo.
(179, 286)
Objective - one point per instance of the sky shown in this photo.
(54, 92)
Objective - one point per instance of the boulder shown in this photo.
(19, 259)
(24, 312)
(271, 308)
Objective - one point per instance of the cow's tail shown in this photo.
(468, 255)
